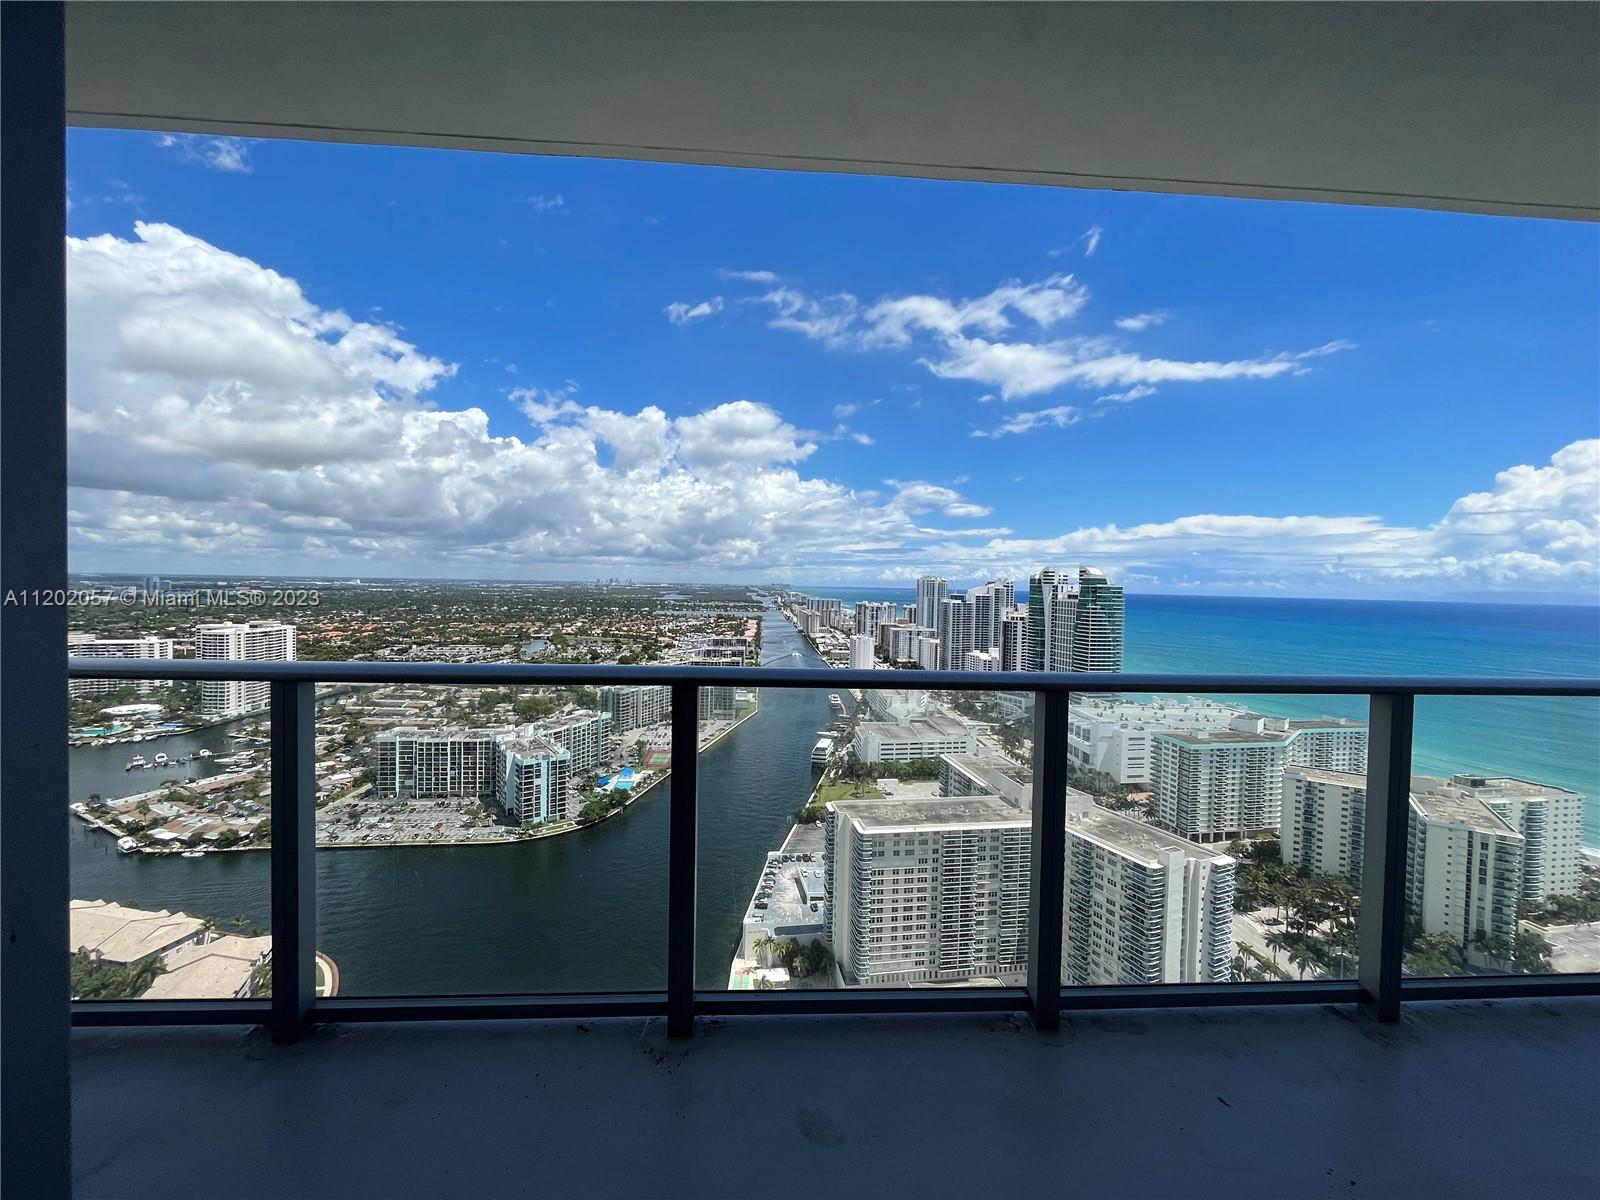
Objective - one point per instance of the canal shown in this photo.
(582, 912)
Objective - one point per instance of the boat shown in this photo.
(838, 704)
(127, 845)
(821, 751)
(136, 763)
(202, 754)
(193, 854)
(161, 760)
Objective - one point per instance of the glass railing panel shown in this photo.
(169, 840)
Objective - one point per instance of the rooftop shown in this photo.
(1135, 838)
(876, 816)
(1482, 787)
(1220, 737)
(1458, 809)
(1351, 779)
(125, 935)
(216, 970)
(918, 729)
(1009, 780)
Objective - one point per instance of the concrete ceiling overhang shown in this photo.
(1491, 108)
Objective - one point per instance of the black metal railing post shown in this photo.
(1383, 862)
(1047, 863)
(682, 850)
(294, 847)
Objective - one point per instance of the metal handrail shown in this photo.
(294, 1007)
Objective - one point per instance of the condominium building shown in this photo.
(928, 653)
(86, 645)
(861, 652)
(583, 735)
(712, 650)
(1097, 629)
(987, 775)
(257, 641)
(1549, 818)
(1463, 867)
(1014, 640)
(1141, 905)
(897, 704)
(931, 593)
(633, 708)
(902, 642)
(981, 660)
(1216, 785)
(1324, 821)
(870, 614)
(1109, 734)
(718, 703)
(452, 762)
(926, 891)
(1042, 590)
(533, 781)
(955, 633)
(902, 741)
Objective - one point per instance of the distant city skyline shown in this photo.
(310, 359)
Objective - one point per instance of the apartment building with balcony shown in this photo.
(86, 645)
(252, 641)
(1463, 868)
(633, 707)
(927, 891)
(1324, 821)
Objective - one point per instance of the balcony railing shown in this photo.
(294, 1007)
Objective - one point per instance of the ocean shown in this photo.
(1551, 740)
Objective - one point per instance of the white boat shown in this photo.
(838, 704)
(127, 845)
(136, 763)
(821, 751)
(161, 760)
(193, 854)
(202, 754)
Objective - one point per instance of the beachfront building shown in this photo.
(869, 615)
(86, 645)
(1097, 626)
(1142, 905)
(927, 890)
(861, 652)
(633, 708)
(1548, 818)
(901, 645)
(920, 737)
(255, 641)
(928, 653)
(1463, 867)
(1112, 735)
(718, 703)
(1324, 821)
(931, 593)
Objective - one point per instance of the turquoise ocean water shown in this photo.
(1552, 740)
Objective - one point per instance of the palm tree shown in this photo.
(764, 946)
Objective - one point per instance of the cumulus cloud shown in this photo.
(221, 419)
(218, 153)
(680, 313)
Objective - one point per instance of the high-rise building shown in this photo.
(926, 891)
(1463, 868)
(988, 775)
(1215, 785)
(920, 737)
(1014, 640)
(533, 779)
(931, 593)
(902, 644)
(1109, 734)
(635, 707)
(870, 614)
(928, 653)
(1097, 630)
(1140, 905)
(861, 655)
(1324, 821)
(1549, 818)
(583, 735)
(86, 645)
(981, 660)
(1042, 589)
(257, 641)
(448, 763)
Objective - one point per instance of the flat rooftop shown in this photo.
(918, 729)
(1353, 779)
(1485, 787)
(1221, 737)
(996, 774)
(875, 816)
(1460, 810)
(1135, 838)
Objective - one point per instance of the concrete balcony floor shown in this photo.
(1458, 1100)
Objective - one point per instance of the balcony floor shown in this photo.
(1468, 1099)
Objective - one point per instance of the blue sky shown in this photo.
(689, 372)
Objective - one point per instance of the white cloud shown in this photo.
(1090, 241)
(680, 313)
(749, 276)
(1060, 417)
(1137, 392)
(218, 153)
(548, 204)
(845, 410)
(1141, 321)
(219, 419)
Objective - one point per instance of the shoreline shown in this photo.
(549, 830)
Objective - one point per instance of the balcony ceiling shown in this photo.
(1480, 108)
